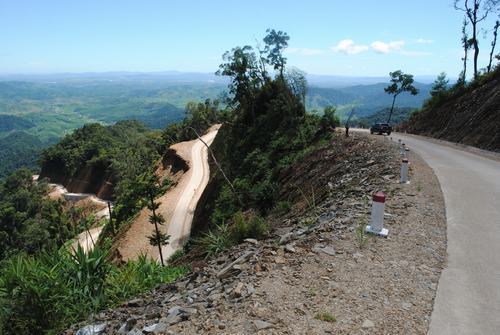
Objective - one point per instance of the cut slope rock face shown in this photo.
(471, 119)
(314, 274)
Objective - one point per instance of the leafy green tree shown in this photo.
(329, 119)
(400, 82)
(440, 85)
(297, 81)
(275, 43)
(29, 221)
(240, 65)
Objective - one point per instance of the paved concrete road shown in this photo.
(468, 295)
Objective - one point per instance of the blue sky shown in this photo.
(355, 37)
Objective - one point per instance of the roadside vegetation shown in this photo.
(46, 293)
(44, 286)
(267, 131)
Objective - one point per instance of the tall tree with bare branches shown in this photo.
(466, 44)
(476, 11)
(493, 43)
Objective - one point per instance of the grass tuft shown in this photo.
(325, 316)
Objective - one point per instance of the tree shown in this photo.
(493, 43)
(153, 189)
(400, 82)
(348, 122)
(440, 84)
(276, 42)
(329, 119)
(466, 44)
(476, 11)
(296, 80)
(243, 70)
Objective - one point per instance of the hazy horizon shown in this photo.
(358, 38)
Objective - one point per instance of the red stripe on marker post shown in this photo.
(379, 197)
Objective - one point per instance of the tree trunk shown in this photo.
(476, 52)
(473, 20)
(111, 218)
(493, 44)
(465, 63)
(156, 228)
(392, 108)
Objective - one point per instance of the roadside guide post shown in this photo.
(404, 172)
(377, 219)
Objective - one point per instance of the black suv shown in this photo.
(381, 128)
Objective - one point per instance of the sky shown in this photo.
(330, 37)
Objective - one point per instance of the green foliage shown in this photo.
(19, 149)
(178, 254)
(400, 82)
(28, 220)
(329, 119)
(282, 207)
(440, 91)
(399, 115)
(135, 277)
(248, 227)
(122, 148)
(360, 236)
(443, 93)
(199, 117)
(13, 122)
(440, 84)
(216, 240)
(268, 131)
(275, 43)
(325, 316)
(158, 238)
(47, 293)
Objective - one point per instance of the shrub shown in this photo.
(44, 294)
(251, 227)
(325, 316)
(282, 207)
(215, 241)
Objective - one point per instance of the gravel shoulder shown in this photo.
(315, 274)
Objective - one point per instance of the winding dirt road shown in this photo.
(177, 205)
(86, 239)
(179, 226)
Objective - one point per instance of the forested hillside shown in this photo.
(399, 115)
(42, 109)
(467, 114)
(35, 114)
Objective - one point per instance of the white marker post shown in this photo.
(407, 153)
(402, 150)
(404, 172)
(377, 223)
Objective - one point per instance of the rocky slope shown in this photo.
(315, 273)
(473, 118)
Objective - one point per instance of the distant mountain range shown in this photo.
(176, 77)
(37, 110)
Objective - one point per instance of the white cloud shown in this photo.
(424, 41)
(304, 51)
(382, 47)
(348, 47)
